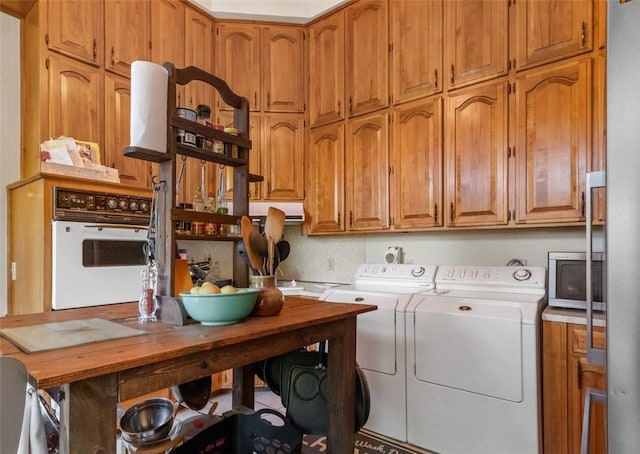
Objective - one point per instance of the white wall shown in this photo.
(311, 257)
(9, 132)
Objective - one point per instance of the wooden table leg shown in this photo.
(88, 416)
(243, 393)
(342, 379)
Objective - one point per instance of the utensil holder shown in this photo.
(270, 298)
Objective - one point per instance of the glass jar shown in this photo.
(270, 298)
(148, 303)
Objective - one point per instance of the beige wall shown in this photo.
(9, 132)
(310, 257)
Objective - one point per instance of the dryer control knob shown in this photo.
(417, 272)
(521, 274)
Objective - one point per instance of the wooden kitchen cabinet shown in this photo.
(476, 41)
(416, 48)
(367, 173)
(76, 28)
(283, 69)
(238, 60)
(255, 160)
(566, 375)
(549, 31)
(74, 99)
(416, 164)
(283, 157)
(324, 201)
(476, 156)
(367, 42)
(198, 51)
(167, 15)
(326, 70)
(127, 34)
(553, 142)
(264, 64)
(117, 108)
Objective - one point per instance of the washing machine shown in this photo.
(473, 361)
(381, 351)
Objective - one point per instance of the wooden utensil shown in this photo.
(283, 248)
(274, 225)
(247, 227)
(271, 248)
(259, 243)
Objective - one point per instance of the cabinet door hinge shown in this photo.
(46, 62)
(149, 44)
(435, 213)
(46, 38)
(390, 170)
(508, 215)
(391, 44)
(435, 78)
(217, 31)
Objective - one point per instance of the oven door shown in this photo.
(95, 264)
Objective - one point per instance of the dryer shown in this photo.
(381, 351)
(473, 361)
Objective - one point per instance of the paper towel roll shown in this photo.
(149, 106)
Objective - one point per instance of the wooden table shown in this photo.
(94, 377)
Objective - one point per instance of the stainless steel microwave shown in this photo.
(567, 280)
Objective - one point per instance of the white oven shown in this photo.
(98, 248)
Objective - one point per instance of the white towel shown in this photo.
(33, 439)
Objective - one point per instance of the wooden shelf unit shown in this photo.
(167, 213)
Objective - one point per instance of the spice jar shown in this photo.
(231, 150)
(270, 298)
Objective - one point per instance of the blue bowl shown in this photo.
(220, 308)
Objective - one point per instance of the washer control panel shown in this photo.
(488, 278)
(397, 274)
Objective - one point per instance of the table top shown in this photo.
(163, 341)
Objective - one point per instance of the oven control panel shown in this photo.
(94, 206)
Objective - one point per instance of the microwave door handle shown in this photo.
(596, 356)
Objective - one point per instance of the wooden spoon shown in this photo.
(274, 225)
(247, 227)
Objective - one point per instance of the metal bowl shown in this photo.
(148, 421)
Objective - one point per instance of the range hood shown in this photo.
(294, 211)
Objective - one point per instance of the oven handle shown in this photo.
(116, 226)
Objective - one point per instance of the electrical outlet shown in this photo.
(331, 264)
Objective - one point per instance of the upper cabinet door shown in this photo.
(167, 15)
(476, 156)
(416, 163)
(127, 34)
(76, 29)
(238, 61)
(367, 172)
(326, 70)
(367, 24)
(476, 40)
(75, 108)
(117, 109)
(416, 48)
(553, 137)
(551, 30)
(325, 185)
(198, 52)
(283, 156)
(283, 69)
